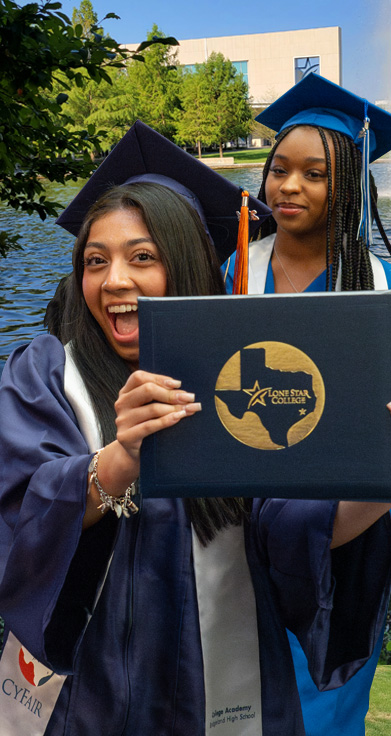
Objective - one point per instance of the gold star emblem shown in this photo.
(302, 412)
(257, 395)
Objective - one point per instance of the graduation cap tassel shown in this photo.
(365, 225)
(240, 283)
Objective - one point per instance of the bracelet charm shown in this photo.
(118, 504)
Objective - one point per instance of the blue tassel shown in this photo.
(365, 226)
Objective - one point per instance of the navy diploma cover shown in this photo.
(293, 390)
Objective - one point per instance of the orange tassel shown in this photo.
(240, 284)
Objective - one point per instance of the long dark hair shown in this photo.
(349, 248)
(192, 269)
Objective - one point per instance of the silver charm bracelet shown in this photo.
(119, 504)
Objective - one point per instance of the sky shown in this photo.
(365, 24)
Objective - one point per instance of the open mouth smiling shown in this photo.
(120, 308)
(123, 319)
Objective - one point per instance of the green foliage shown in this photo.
(147, 91)
(37, 42)
(85, 17)
(217, 96)
(107, 106)
(43, 58)
(154, 87)
(8, 242)
(261, 131)
(195, 122)
(385, 654)
(377, 722)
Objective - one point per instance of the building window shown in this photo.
(306, 65)
(241, 68)
(189, 68)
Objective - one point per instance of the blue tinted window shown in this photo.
(241, 68)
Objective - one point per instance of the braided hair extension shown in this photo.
(329, 204)
(376, 215)
(348, 248)
(339, 212)
(358, 274)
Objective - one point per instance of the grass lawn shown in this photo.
(243, 156)
(378, 721)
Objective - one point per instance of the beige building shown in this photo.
(384, 104)
(271, 63)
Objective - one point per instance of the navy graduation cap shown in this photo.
(317, 101)
(145, 155)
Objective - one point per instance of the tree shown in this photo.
(110, 107)
(39, 50)
(219, 98)
(261, 131)
(196, 123)
(257, 129)
(148, 92)
(155, 86)
(85, 16)
(229, 93)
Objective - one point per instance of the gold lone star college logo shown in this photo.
(269, 395)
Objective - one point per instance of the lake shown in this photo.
(28, 278)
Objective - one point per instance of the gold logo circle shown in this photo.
(269, 395)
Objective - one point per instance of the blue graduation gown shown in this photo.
(127, 634)
(339, 712)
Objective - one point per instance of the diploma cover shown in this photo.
(293, 390)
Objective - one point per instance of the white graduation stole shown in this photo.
(229, 635)
(78, 397)
(28, 691)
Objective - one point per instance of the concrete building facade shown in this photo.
(271, 63)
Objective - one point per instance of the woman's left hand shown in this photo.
(148, 403)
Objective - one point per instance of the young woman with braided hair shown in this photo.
(317, 240)
(318, 236)
(344, 248)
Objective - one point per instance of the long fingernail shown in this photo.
(172, 383)
(177, 414)
(191, 408)
(183, 397)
